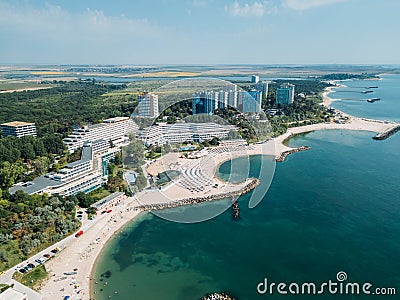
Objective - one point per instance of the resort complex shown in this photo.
(115, 130)
(208, 148)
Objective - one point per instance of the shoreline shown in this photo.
(83, 253)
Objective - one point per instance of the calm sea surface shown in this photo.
(333, 208)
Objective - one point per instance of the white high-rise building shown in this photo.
(232, 99)
(148, 105)
(262, 86)
(222, 99)
(116, 130)
(285, 94)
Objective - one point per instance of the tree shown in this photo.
(84, 200)
(141, 182)
(133, 154)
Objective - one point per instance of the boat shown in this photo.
(372, 100)
(366, 92)
(70, 273)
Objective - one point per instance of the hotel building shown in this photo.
(183, 132)
(18, 129)
(116, 130)
(84, 175)
(285, 94)
(147, 105)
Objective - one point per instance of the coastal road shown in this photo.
(6, 277)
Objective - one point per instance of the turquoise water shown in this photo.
(388, 108)
(333, 208)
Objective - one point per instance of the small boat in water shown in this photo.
(372, 100)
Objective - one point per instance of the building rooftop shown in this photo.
(11, 294)
(16, 124)
(115, 119)
(107, 199)
(87, 155)
(35, 186)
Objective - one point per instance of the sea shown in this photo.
(330, 216)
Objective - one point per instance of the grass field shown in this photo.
(171, 74)
(12, 86)
(33, 278)
(49, 73)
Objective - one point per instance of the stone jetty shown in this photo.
(195, 200)
(387, 133)
(219, 296)
(284, 154)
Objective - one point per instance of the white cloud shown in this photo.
(256, 9)
(52, 34)
(53, 20)
(199, 3)
(307, 4)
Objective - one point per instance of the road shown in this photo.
(6, 277)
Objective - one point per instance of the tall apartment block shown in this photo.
(147, 105)
(285, 94)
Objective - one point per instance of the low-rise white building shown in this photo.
(183, 132)
(12, 294)
(108, 202)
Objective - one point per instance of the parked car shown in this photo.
(46, 255)
(22, 270)
(40, 260)
(31, 265)
(55, 250)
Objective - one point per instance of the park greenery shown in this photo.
(346, 76)
(66, 105)
(30, 223)
(32, 278)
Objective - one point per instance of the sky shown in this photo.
(146, 32)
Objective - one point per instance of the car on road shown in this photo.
(108, 211)
(55, 250)
(31, 265)
(28, 268)
(40, 260)
(22, 270)
(79, 233)
(47, 255)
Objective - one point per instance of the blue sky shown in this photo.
(200, 32)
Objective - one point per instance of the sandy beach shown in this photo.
(197, 179)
